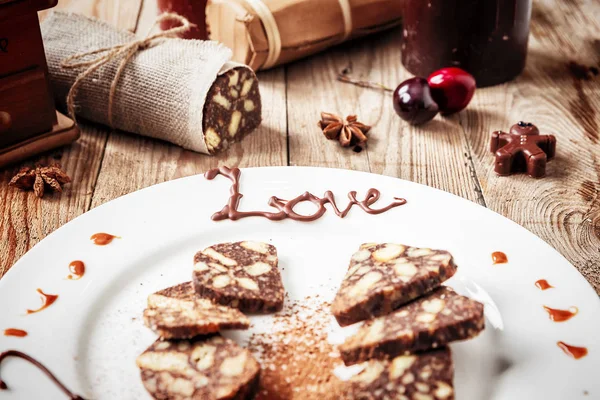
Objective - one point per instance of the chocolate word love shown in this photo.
(286, 207)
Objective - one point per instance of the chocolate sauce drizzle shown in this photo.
(37, 364)
(286, 207)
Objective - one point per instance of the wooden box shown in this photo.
(28, 120)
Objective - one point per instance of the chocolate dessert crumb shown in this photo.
(296, 358)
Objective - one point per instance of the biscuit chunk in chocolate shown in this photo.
(441, 317)
(243, 275)
(423, 376)
(178, 313)
(382, 277)
(207, 368)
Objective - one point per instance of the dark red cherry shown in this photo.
(413, 101)
(452, 89)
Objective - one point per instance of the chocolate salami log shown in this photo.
(382, 277)
(432, 321)
(182, 91)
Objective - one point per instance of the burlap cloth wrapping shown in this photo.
(161, 92)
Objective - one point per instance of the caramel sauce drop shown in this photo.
(561, 315)
(543, 284)
(499, 257)
(15, 332)
(77, 269)
(102, 239)
(47, 301)
(573, 351)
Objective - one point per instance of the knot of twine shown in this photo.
(123, 51)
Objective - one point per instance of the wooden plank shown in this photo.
(564, 207)
(435, 154)
(25, 219)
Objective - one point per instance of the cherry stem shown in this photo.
(345, 77)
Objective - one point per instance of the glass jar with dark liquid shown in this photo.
(487, 38)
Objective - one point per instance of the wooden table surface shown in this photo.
(448, 153)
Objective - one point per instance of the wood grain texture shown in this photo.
(25, 219)
(564, 207)
(435, 154)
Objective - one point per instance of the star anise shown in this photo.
(348, 132)
(38, 178)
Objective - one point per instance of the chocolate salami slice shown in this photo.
(232, 108)
(423, 376)
(243, 275)
(441, 317)
(207, 368)
(178, 313)
(382, 277)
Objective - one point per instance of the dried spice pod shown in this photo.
(348, 132)
(40, 178)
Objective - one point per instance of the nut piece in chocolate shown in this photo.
(522, 150)
(437, 319)
(242, 275)
(382, 277)
(178, 313)
(423, 376)
(232, 108)
(207, 368)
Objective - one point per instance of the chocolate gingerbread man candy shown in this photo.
(522, 150)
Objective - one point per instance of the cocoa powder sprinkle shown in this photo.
(296, 358)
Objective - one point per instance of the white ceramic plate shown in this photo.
(89, 339)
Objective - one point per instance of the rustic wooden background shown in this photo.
(449, 153)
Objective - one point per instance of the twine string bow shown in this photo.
(123, 51)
